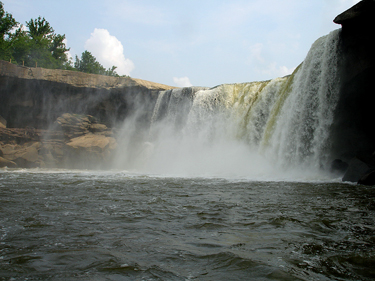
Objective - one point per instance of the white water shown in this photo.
(276, 129)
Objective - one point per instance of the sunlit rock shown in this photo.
(3, 122)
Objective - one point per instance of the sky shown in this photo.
(189, 43)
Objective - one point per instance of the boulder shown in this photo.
(339, 167)
(53, 153)
(3, 122)
(7, 163)
(77, 141)
(356, 170)
(368, 178)
(92, 141)
(75, 125)
(25, 155)
(90, 150)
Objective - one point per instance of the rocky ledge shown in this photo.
(58, 118)
(76, 141)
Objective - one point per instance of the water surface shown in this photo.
(90, 225)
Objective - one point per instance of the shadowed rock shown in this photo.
(71, 115)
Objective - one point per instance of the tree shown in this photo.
(40, 45)
(20, 46)
(7, 23)
(46, 48)
(89, 64)
(112, 71)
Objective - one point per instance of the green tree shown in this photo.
(39, 44)
(7, 23)
(20, 46)
(47, 49)
(112, 71)
(88, 63)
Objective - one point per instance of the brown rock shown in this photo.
(75, 78)
(92, 141)
(7, 163)
(75, 125)
(24, 155)
(89, 151)
(3, 122)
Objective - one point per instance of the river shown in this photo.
(119, 225)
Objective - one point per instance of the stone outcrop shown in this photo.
(358, 18)
(74, 125)
(356, 169)
(75, 78)
(77, 142)
(352, 132)
(36, 97)
(60, 118)
(3, 122)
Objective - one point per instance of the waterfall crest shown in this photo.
(241, 129)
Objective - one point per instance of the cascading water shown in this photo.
(301, 132)
(247, 130)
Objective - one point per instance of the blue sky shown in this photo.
(195, 42)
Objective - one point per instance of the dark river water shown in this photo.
(82, 225)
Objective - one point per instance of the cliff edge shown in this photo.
(75, 78)
(60, 118)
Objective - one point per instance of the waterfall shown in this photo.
(256, 128)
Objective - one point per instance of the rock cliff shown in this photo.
(353, 132)
(57, 118)
(35, 97)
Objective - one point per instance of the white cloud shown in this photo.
(273, 70)
(109, 51)
(182, 81)
(68, 53)
(14, 29)
(256, 53)
(257, 60)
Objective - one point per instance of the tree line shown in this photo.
(37, 45)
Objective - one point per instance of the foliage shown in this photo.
(7, 23)
(46, 48)
(39, 45)
(88, 63)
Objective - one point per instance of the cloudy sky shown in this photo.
(195, 42)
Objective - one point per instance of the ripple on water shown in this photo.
(80, 225)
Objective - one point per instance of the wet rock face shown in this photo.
(59, 118)
(35, 97)
(352, 131)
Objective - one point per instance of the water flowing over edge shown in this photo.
(277, 129)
